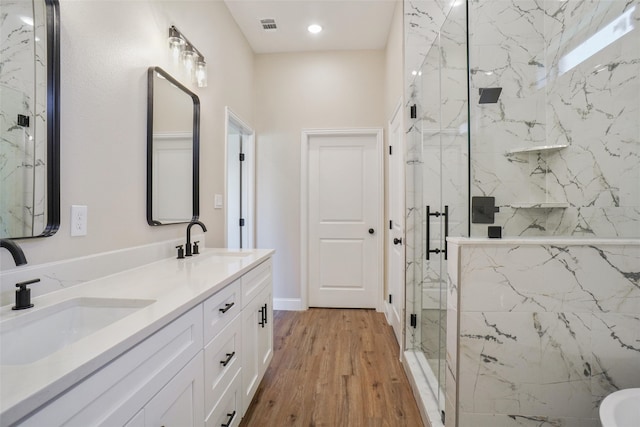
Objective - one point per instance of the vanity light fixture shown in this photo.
(193, 61)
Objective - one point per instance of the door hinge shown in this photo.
(242, 157)
(414, 111)
(414, 320)
(241, 222)
(390, 299)
(390, 150)
(390, 224)
(23, 120)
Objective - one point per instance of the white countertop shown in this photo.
(175, 285)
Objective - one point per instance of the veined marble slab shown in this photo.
(546, 329)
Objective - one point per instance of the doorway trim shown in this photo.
(250, 161)
(304, 207)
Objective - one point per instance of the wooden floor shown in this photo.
(336, 368)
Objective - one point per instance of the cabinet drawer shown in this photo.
(228, 411)
(220, 308)
(222, 361)
(255, 281)
(115, 393)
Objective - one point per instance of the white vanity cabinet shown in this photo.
(257, 327)
(116, 393)
(192, 372)
(180, 402)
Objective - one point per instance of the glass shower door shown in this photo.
(439, 150)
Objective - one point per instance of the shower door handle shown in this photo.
(445, 214)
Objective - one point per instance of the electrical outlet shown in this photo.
(78, 220)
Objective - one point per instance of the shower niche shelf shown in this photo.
(538, 149)
(540, 205)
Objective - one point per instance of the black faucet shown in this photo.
(188, 245)
(14, 249)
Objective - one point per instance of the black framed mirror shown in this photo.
(173, 150)
(29, 119)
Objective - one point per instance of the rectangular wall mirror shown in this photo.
(29, 121)
(173, 150)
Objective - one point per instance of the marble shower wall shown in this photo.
(570, 75)
(23, 91)
(546, 330)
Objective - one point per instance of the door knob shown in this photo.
(371, 231)
(397, 241)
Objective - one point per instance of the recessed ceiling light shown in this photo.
(314, 28)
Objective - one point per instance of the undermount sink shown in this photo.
(621, 409)
(39, 333)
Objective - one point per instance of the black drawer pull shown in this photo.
(227, 306)
(229, 357)
(262, 321)
(231, 417)
(264, 314)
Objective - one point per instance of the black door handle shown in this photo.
(397, 241)
(371, 231)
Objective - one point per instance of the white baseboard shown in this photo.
(288, 304)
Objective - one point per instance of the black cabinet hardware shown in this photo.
(227, 306)
(397, 241)
(371, 231)
(264, 315)
(231, 417)
(228, 359)
(262, 321)
(444, 214)
(414, 321)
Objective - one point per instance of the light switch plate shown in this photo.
(78, 220)
(217, 201)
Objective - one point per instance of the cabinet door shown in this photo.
(251, 319)
(257, 343)
(181, 402)
(264, 347)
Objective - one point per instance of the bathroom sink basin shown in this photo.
(621, 409)
(39, 333)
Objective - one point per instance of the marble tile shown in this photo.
(590, 103)
(616, 353)
(523, 420)
(529, 363)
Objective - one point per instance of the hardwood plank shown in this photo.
(333, 368)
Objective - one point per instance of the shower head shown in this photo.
(489, 95)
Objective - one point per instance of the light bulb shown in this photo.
(189, 59)
(201, 73)
(176, 43)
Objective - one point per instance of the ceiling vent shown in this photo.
(269, 24)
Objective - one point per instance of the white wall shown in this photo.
(394, 83)
(299, 91)
(106, 48)
(394, 88)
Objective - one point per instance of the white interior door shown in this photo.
(344, 219)
(395, 244)
(240, 183)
